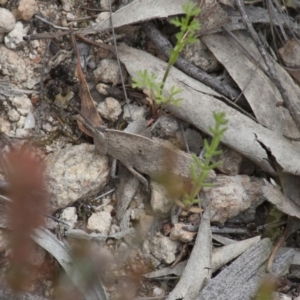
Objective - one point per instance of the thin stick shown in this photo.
(165, 47)
(117, 56)
(50, 23)
(46, 35)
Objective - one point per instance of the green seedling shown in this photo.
(188, 25)
(200, 169)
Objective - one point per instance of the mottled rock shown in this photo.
(168, 126)
(163, 248)
(12, 65)
(100, 222)
(104, 4)
(47, 127)
(179, 234)
(101, 88)
(108, 72)
(158, 292)
(200, 56)
(27, 8)
(5, 125)
(69, 216)
(22, 133)
(102, 17)
(21, 122)
(137, 112)
(231, 195)
(231, 161)
(15, 37)
(22, 104)
(110, 109)
(29, 121)
(160, 202)
(75, 172)
(7, 20)
(13, 115)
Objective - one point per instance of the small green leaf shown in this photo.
(195, 201)
(216, 165)
(194, 173)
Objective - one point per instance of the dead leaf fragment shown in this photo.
(291, 58)
(212, 17)
(276, 197)
(88, 108)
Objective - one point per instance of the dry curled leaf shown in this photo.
(88, 108)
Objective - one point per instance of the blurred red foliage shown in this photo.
(25, 175)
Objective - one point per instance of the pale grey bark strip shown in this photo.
(198, 268)
(242, 278)
(199, 103)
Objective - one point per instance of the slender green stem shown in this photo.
(206, 166)
(186, 35)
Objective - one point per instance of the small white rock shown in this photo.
(114, 229)
(158, 291)
(33, 55)
(108, 72)
(92, 64)
(22, 104)
(198, 54)
(21, 122)
(31, 82)
(137, 213)
(169, 125)
(136, 112)
(100, 222)
(27, 8)
(163, 248)
(47, 127)
(29, 121)
(5, 125)
(102, 17)
(35, 44)
(13, 115)
(147, 253)
(50, 119)
(106, 201)
(69, 215)
(101, 88)
(160, 202)
(108, 208)
(72, 173)
(178, 234)
(281, 296)
(13, 65)
(7, 20)
(123, 247)
(70, 16)
(15, 37)
(104, 4)
(22, 133)
(110, 109)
